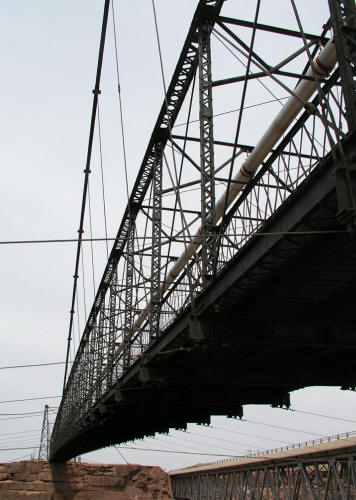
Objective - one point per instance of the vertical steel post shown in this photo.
(112, 328)
(92, 360)
(343, 18)
(208, 215)
(100, 352)
(87, 381)
(154, 315)
(130, 262)
(80, 384)
(93, 356)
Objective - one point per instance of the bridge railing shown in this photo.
(270, 451)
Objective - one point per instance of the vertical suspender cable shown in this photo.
(96, 93)
(120, 105)
(103, 184)
(91, 241)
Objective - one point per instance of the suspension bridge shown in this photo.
(231, 279)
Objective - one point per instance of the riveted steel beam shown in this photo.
(343, 18)
(208, 214)
(154, 315)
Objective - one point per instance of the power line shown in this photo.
(139, 449)
(15, 418)
(219, 439)
(18, 441)
(324, 416)
(181, 239)
(28, 399)
(21, 448)
(17, 437)
(191, 441)
(279, 427)
(180, 452)
(59, 240)
(165, 443)
(209, 444)
(35, 365)
(250, 435)
(119, 452)
(19, 432)
(19, 458)
(22, 413)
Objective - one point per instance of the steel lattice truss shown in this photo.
(175, 236)
(43, 452)
(327, 478)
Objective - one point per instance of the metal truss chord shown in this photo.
(208, 214)
(245, 147)
(112, 328)
(266, 27)
(154, 315)
(343, 16)
(99, 350)
(128, 312)
(315, 479)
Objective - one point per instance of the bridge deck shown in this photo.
(341, 447)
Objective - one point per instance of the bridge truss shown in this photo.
(309, 476)
(207, 188)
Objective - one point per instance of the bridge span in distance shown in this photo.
(318, 471)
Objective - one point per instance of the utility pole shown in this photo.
(45, 436)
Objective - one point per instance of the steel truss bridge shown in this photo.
(321, 471)
(232, 277)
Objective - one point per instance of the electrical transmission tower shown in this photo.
(45, 436)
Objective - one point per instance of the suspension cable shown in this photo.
(96, 92)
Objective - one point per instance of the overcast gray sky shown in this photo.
(48, 59)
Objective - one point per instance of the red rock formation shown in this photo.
(37, 479)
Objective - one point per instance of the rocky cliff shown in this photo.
(37, 479)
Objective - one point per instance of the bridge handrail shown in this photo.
(266, 452)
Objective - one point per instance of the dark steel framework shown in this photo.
(155, 312)
(43, 451)
(208, 215)
(330, 477)
(137, 301)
